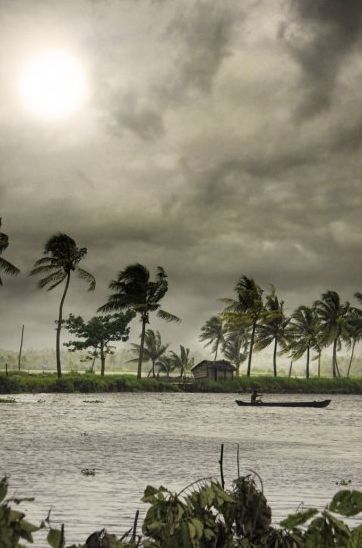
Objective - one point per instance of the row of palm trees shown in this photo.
(133, 289)
(248, 322)
(251, 322)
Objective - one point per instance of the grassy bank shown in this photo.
(69, 383)
(283, 385)
(16, 383)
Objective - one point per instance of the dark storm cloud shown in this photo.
(190, 156)
(128, 113)
(321, 36)
(200, 35)
(205, 32)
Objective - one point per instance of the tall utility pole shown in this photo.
(21, 348)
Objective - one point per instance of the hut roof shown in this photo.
(219, 364)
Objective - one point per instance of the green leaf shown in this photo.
(319, 534)
(55, 538)
(347, 503)
(338, 525)
(14, 515)
(355, 540)
(151, 494)
(26, 529)
(293, 520)
(199, 527)
(3, 488)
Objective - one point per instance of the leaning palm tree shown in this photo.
(354, 329)
(182, 361)
(246, 310)
(300, 335)
(134, 290)
(318, 347)
(6, 266)
(165, 364)
(62, 259)
(213, 332)
(235, 348)
(334, 320)
(153, 349)
(272, 328)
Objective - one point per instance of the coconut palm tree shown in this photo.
(213, 332)
(272, 328)
(6, 266)
(182, 361)
(235, 348)
(246, 310)
(354, 329)
(318, 348)
(153, 349)
(334, 320)
(134, 290)
(165, 364)
(62, 259)
(300, 335)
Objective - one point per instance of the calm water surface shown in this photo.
(172, 439)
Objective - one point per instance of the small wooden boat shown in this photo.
(321, 403)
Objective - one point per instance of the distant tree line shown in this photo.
(249, 322)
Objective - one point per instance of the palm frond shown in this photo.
(43, 269)
(87, 277)
(8, 267)
(167, 316)
(47, 261)
(54, 279)
(113, 304)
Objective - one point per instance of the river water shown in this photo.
(132, 440)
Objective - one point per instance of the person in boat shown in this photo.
(256, 397)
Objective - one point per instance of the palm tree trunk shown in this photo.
(334, 358)
(217, 346)
(103, 360)
(59, 327)
(140, 357)
(275, 357)
(153, 368)
(21, 348)
(251, 348)
(290, 368)
(352, 354)
(237, 363)
(319, 363)
(307, 364)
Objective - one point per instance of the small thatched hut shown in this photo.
(219, 370)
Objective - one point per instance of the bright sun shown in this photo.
(53, 84)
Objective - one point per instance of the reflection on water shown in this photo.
(172, 439)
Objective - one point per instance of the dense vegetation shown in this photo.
(36, 383)
(21, 383)
(250, 322)
(204, 515)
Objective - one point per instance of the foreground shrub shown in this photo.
(205, 515)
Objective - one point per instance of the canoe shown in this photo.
(321, 403)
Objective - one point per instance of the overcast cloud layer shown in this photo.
(221, 138)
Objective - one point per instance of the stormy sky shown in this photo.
(219, 138)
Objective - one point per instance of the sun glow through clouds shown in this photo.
(53, 85)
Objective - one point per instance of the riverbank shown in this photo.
(16, 383)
